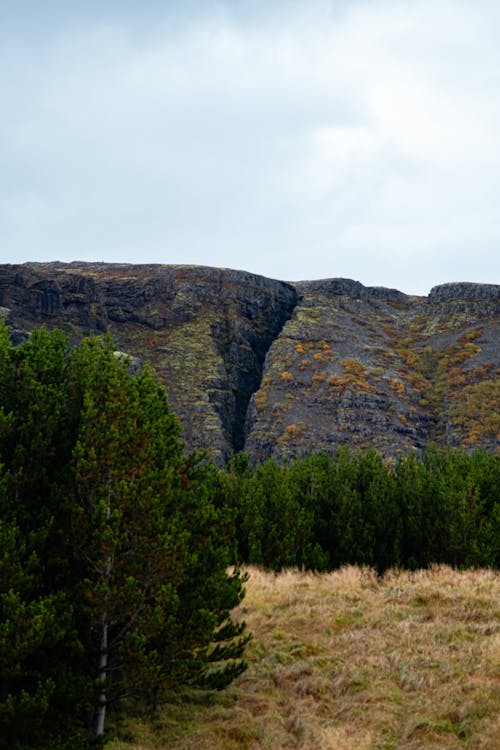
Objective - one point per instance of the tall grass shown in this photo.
(350, 661)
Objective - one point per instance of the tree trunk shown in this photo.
(103, 664)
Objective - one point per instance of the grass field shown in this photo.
(350, 661)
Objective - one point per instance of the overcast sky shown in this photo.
(299, 140)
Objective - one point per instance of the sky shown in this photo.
(298, 140)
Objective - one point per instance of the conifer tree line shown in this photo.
(114, 550)
(321, 512)
(115, 544)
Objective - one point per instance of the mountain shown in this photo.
(280, 369)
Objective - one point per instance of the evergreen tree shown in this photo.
(115, 555)
(381, 518)
(42, 680)
(321, 512)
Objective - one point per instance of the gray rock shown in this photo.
(278, 368)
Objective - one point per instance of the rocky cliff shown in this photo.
(281, 369)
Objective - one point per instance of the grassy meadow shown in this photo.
(350, 661)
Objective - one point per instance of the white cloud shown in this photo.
(310, 139)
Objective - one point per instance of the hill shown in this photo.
(280, 369)
(349, 661)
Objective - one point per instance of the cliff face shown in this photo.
(282, 369)
(206, 331)
(373, 367)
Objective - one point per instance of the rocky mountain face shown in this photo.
(281, 369)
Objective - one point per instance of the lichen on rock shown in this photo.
(281, 369)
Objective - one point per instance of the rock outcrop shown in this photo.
(374, 367)
(206, 331)
(281, 369)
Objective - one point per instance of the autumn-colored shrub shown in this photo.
(336, 383)
(398, 387)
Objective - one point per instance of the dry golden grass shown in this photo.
(348, 661)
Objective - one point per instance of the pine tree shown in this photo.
(43, 686)
(114, 551)
(147, 533)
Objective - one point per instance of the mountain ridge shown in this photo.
(281, 368)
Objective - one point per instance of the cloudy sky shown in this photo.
(306, 139)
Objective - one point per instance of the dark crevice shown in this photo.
(243, 342)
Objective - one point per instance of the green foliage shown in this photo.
(274, 526)
(114, 547)
(322, 512)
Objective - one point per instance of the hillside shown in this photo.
(281, 369)
(349, 661)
